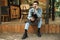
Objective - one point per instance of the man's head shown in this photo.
(35, 4)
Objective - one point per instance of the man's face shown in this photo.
(35, 5)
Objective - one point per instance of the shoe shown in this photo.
(25, 36)
(39, 34)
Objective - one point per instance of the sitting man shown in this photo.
(34, 16)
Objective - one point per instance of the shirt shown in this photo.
(38, 12)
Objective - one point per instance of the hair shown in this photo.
(36, 2)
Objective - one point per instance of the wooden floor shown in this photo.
(18, 36)
(18, 27)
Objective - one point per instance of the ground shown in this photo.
(18, 36)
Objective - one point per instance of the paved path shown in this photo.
(17, 36)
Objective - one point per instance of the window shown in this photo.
(57, 7)
(14, 2)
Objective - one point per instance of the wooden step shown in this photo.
(19, 28)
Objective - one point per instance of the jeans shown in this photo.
(38, 22)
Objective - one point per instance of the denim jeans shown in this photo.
(38, 23)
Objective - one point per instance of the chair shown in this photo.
(4, 13)
(24, 10)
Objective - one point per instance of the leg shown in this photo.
(26, 28)
(40, 23)
(39, 26)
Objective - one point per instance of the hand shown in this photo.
(32, 19)
(37, 7)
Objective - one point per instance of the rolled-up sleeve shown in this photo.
(39, 14)
(29, 14)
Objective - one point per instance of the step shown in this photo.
(19, 28)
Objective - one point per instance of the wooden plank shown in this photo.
(9, 28)
(22, 28)
(43, 29)
(57, 29)
(0, 28)
(17, 28)
(50, 28)
(12, 28)
(46, 28)
(4, 28)
(53, 28)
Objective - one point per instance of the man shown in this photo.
(34, 16)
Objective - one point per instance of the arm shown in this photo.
(39, 13)
(29, 14)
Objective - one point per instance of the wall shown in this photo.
(4, 3)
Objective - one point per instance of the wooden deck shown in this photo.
(18, 27)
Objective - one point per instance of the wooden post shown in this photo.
(53, 10)
(47, 12)
(49, 8)
(20, 7)
(0, 12)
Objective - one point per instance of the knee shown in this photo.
(27, 23)
(40, 22)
